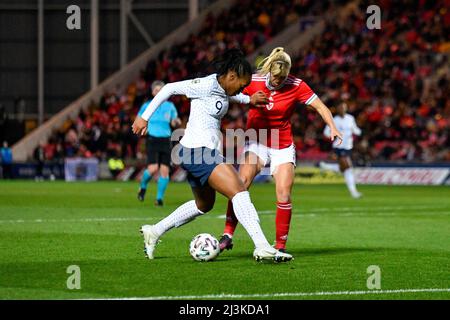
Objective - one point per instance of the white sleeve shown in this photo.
(240, 98)
(355, 129)
(327, 131)
(189, 88)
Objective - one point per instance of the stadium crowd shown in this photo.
(104, 131)
(395, 80)
(397, 87)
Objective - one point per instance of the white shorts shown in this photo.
(271, 156)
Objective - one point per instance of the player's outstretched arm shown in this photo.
(139, 126)
(326, 115)
(258, 99)
(187, 88)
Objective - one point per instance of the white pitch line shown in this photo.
(375, 208)
(298, 214)
(270, 212)
(359, 209)
(78, 220)
(281, 295)
(344, 212)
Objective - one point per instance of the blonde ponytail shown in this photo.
(278, 63)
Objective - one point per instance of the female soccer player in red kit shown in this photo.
(283, 91)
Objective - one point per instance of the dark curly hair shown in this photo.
(232, 60)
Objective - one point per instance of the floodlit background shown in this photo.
(73, 75)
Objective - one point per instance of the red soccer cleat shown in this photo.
(225, 242)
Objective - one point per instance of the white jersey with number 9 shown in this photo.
(209, 103)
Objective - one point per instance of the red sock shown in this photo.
(282, 222)
(232, 221)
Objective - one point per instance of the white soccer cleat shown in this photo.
(270, 253)
(356, 195)
(322, 166)
(150, 240)
(282, 257)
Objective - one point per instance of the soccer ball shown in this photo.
(204, 247)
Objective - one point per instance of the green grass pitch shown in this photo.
(47, 227)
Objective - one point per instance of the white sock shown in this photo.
(182, 215)
(330, 166)
(246, 214)
(350, 180)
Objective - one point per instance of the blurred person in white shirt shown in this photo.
(346, 124)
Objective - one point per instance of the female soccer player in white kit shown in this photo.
(207, 172)
(347, 125)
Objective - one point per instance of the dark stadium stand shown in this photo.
(398, 90)
(105, 128)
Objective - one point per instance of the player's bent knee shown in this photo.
(152, 169)
(164, 171)
(204, 207)
(240, 188)
(284, 197)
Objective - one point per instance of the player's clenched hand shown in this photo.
(259, 99)
(335, 134)
(139, 126)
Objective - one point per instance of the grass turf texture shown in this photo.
(46, 227)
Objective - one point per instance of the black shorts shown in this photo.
(158, 150)
(342, 152)
(199, 164)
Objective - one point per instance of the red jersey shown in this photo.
(277, 114)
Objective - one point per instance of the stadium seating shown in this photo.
(398, 91)
(104, 129)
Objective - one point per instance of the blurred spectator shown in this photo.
(106, 126)
(39, 157)
(6, 161)
(115, 164)
(397, 89)
(396, 81)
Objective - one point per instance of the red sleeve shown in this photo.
(305, 94)
(249, 90)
